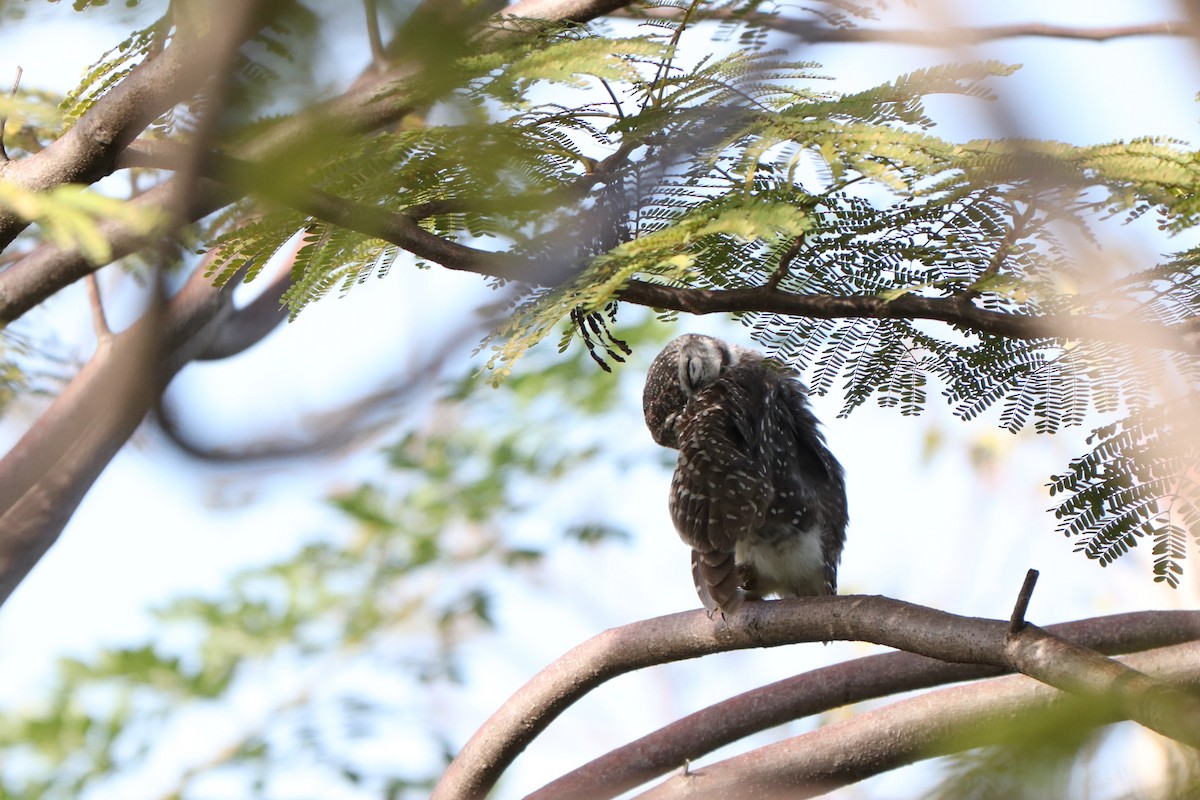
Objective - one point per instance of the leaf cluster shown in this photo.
(1139, 480)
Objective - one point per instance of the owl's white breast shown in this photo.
(787, 561)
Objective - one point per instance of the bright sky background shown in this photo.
(940, 531)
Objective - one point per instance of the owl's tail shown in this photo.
(717, 581)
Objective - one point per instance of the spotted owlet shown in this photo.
(756, 493)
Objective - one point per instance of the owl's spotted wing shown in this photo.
(720, 490)
(819, 479)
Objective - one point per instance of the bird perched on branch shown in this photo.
(756, 493)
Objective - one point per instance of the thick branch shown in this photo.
(938, 723)
(48, 268)
(822, 690)
(47, 473)
(881, 620)
(954, 37)
(563, 10)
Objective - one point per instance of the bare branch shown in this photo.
(344, 427)
(822, 690)
(379, 58)
(880, 620)
(46, 474)
(563, 10)
(938, 723)
(953, 37)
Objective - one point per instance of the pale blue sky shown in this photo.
(940, 533)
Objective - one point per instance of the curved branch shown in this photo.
(346, 426)
(938, 723)
(831, 687)
(953, 37)
(563, 10)
(881, 620)
(247, 326)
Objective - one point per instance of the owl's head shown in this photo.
(685, 366)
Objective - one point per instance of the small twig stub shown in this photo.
(1017, 622)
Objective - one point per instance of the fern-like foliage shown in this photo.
(1141, 479)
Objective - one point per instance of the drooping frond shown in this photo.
(1141, 479)
(108, 71)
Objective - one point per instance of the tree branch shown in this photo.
(951, 310)
(1017, 621)
(247, 326)
(563, 10)
(4, 117)
(96, 302)
(822, 690)
(953, 37)
(881, 620)
(379, 59)
(934, 724)
(38, 275)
